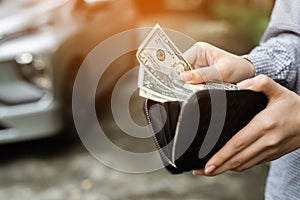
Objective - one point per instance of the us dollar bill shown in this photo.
(150, 88)
(163, 61)
(219, 85)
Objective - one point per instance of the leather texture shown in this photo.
(189, 133)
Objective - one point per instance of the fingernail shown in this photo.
(198, 172)
(245, 84)
(186, 76)
(194, 173)
(210, 169)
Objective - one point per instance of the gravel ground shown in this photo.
(62, 169)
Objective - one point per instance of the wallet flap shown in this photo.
(188, 134)
(163, 118)
(208, 120)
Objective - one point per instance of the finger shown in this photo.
(196, 55)
(248, 157)
(263, 157)
(262, 83)
(244, 138)
(199, 172)
(253, 162)
(201, 75)
(285, 148)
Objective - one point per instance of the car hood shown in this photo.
(20, 15)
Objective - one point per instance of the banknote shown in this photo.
(163, 61)
(150, 88)
(154, 97)
(219, 85)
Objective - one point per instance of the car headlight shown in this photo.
(34, 69)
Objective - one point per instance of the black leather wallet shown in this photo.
(187, 134)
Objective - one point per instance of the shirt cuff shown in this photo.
(258, 62)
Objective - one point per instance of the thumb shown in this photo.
(191, 54)
(262, 83)
(196, 55)
(201, 75)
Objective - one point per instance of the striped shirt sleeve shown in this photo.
(278, 57)
(278, 54)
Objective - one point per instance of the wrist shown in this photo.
(250, 67)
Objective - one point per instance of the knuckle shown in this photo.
(263, 80)
(204, 46)
(238, 145)
(272, 151)
(225, 74)
(197, 75)
(240, 169)
(235, 163)
(269, 124)
(273, 142)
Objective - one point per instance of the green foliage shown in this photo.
(249, 20)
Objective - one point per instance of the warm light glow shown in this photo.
(96, 1)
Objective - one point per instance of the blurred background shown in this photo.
(43, 44)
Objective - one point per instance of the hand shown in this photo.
(271, 134)
(212, 63)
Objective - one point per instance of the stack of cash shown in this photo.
(161, 63)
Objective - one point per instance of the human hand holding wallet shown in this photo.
(188, 133)
(190, 124)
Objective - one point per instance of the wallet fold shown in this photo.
(187, 134)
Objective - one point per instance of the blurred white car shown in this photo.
(42, 44)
